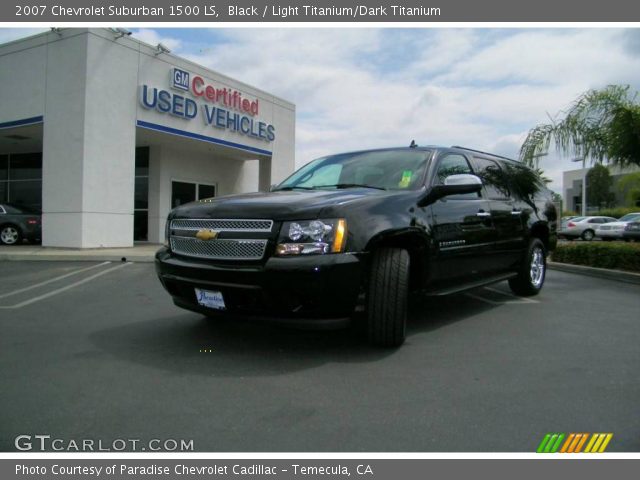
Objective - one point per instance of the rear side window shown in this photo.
(496, 184)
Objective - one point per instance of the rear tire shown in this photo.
(532, 270)
(10, 235)
(388, 297)
(588, 235)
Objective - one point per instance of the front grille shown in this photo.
(219, 249)
(223, 225)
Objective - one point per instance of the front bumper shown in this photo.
(318, 289)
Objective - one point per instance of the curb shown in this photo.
(617, 275)
(76, 258)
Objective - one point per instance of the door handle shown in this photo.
(516, 212)
(482, 213)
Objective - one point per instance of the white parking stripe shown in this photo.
(66, 275)
(482, 299)
(64, 289)
(507, 294)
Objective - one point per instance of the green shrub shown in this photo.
(616, 255)
(615, 212)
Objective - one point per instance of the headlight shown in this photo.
(312, 237)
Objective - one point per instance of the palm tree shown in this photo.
(600, 124)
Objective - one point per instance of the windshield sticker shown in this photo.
(406, 179)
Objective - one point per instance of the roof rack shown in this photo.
(485, 153)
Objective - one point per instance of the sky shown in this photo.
(359, 88)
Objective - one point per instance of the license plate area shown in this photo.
(210, 299)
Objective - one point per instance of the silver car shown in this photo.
(583, 227)
(614, 230)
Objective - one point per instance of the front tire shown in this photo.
(10, 235)
(388, 297)
(532, 270)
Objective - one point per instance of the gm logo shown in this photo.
(179, 79)
(574, 443)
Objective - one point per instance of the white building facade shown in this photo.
(107, 134)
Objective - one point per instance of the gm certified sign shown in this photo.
(179, 79)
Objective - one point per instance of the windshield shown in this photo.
(629, 217)
(386, 170)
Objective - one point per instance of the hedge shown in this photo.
(616, 255)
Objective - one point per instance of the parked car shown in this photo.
(18, 222)
(583, 227)
(376, 224)
(614, 230)
(632, 231)
(565, 220)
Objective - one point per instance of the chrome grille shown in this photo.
(220, 249)
(223, 225)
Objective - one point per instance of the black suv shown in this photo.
(375, 225)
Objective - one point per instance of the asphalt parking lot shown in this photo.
(98, 351)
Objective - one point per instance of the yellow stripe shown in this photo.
(590, 444)
(605, 443)
(598, 442)
(582, 440)
(574, 443)
(567, 442)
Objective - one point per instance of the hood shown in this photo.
(284, 205)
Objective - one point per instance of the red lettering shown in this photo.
(195, 84)
(246, 105)
(210, 93)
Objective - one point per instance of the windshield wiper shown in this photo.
(350, 185)
(287, 189)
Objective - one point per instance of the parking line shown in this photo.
(482, 299)
(66, 275)
(518, 299)
(64, 289)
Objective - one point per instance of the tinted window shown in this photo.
(496, 184)
(453, 164)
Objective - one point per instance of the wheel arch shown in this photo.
(412, 240)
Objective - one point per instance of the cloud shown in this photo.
(357, 88)
(152, 37)
(360, 88)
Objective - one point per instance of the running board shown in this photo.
(470, 286)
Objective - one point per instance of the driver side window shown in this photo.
(453, 164)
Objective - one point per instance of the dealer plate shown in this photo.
(210, 298)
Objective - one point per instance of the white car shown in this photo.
(583, 227)
(614, 230)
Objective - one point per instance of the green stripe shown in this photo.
(543, 443)
(554, 449)
(552, 440)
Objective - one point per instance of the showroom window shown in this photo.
(185, 192)
(21, 179)
(141, 195)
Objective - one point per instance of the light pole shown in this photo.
(584, 184)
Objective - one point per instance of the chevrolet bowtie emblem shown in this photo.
(206, 234)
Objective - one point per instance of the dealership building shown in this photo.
(106, 134)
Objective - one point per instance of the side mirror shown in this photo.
(453, 185)
(273, 185)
